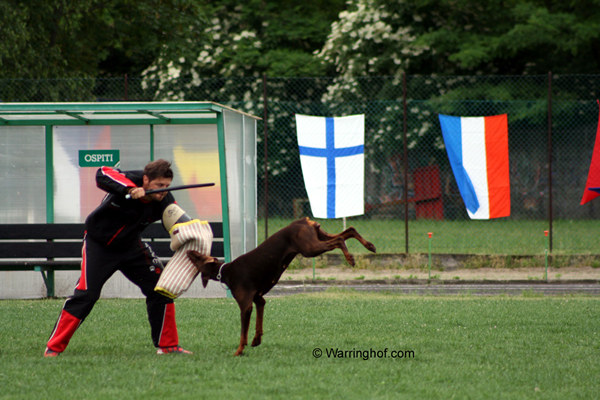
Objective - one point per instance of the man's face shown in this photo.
(158, 183)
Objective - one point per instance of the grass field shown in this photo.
(451, 347)
(504, 236)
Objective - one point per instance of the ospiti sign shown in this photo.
(98, 158)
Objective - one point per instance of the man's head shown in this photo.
(157, 175)
(158, 169)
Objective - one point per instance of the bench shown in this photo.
(47, 248)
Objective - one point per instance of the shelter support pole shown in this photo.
(49, 173)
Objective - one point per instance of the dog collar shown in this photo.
(219, 275)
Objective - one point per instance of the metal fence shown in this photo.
(410, 189)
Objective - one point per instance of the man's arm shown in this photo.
(113, 180)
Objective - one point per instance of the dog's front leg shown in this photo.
(260, 309)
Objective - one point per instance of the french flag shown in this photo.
(477, 148)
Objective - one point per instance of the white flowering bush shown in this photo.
(368, 39)
(225, 53)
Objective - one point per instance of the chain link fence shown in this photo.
(409, 186)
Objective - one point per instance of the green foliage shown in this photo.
(462, 347)
(289, 38)
(376, 37)
(90, 37)
(290, 62)
(46, 39)
(276, 38)
(87, 38)
(142, 31)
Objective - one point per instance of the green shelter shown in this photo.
(49, 154)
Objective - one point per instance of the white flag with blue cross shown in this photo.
(332, 156)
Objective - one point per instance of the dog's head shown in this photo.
(207, 265)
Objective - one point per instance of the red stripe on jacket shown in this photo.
(117, 176)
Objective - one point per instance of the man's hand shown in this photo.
(137, 192)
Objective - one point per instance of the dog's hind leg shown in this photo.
(316, 247)
(338, 242)
(260, 309)
(245, 313)
(345, 235)
(311, 241)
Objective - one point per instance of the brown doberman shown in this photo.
(251, 275)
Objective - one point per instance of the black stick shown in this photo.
(168, 189)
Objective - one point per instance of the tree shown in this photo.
(273, 37)
(51, 39)
(378, 37)
(465, 37)
(143, 30)
(86, 39)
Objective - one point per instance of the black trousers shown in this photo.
(139, 264)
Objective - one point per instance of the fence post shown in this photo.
(550, 213)
(266, 154)
(405, 157)
(126, 88)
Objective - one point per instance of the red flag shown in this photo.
(593, 180)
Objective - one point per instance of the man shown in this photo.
(113, 242)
